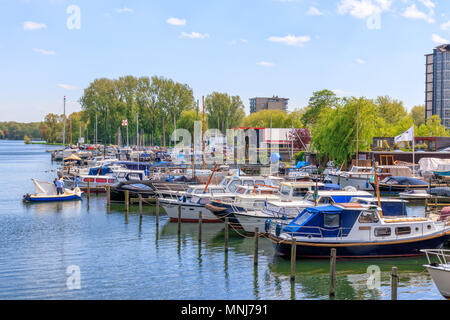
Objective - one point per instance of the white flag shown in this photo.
(406, 136)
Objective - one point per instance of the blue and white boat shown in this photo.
(46, 192)
(357, 231)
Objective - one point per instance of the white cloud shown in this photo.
(67, 86)
(360, 61)
(313, 11)
(176, 21)
(362, 9)
(266, 64)
(46, 52)
(438, 39)
(340, 92)
(31, 26)
(413, 13)
(195, 35)
(124, 10)
(291, 40)
(445, 26)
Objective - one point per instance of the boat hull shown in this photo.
(222, 211)
(189, 213)
(441, 279)
(360, 250)
(31, 198)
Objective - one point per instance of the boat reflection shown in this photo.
(66, 207)
(355, 279)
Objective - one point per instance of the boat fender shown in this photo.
(278, 229)
(267, 224)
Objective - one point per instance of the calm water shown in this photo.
(126, 259)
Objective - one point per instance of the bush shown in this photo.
(299, 156)
(26, 139)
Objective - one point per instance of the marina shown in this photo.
(127, 255)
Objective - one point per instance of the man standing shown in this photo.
(60, 186)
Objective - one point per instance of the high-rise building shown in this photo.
(274, 103)
(437, 84)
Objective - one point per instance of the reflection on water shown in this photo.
(126, 257)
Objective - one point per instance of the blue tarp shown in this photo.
(302, 164)
(103, 171)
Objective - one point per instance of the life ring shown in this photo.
(396, 162)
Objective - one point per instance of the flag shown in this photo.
(406, 136)
(124, 123)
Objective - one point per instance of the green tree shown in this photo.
(418, 115)
(335, 135)
(262, 119)
(224, 111)
(319, 102)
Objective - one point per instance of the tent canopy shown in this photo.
(73, 157)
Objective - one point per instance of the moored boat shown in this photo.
(439, 269)
(357, 231)
(46, 192)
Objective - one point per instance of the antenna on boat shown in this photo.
(378, 190)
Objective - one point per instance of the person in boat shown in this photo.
(54, 182)
(60, 186)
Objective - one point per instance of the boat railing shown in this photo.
(319, 232)
(442, 255)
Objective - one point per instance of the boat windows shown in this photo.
(298, 192)
(325, 200)
(368, 217)
(382, 232)
(331, 220)
(101, 180)
(402, 231)
(233, 186)
(285, 190)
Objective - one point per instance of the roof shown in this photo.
(73, 157)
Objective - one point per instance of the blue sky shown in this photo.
(288, 48)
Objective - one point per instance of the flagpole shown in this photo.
(414, 152)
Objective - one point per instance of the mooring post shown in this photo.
(127, 200)
(140, 205)
(200, 226)
(89, 189)
(157, 213)
(333, 272)
(226, 234)
(108, 197)
(293, 257)
(255, 258)
(179, 220)
(394, 283)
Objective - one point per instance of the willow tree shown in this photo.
(338, 130)
(224, 111)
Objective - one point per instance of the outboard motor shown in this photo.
(267, 225)
(278, 229)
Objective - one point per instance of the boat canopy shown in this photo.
(324, 221)
(100, 171)
(404, 181)
(44, 188)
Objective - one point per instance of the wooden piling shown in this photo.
(293, 258)
(108, 197)
(89, 189)
(140, 205)
(200, 226)
(394, 284)
(333, 272)
(226, 234)
(179, 220)
(127, 200)
(255, 258)
(157, 213)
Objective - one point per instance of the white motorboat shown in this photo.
(439, 269)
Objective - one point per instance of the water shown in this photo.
(123, 258)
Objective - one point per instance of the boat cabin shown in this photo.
(389, 207)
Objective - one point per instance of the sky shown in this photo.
(252, 48)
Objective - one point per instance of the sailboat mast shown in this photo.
(357, 135)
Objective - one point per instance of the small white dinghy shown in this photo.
(46, 192)
(439, 268)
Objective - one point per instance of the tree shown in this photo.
(389, 109)
(187, 120)
(301, 138)
(224, 111)
(319, 102)
(262, 119)
(418, 115)
(433, 128)
(335, 135)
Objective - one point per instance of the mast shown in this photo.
(137, 130)
(70, 131)
(357, 135)
(64, 124)
(203, 133)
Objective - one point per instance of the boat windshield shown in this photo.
(285, 190)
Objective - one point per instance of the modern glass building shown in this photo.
(437, 83)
